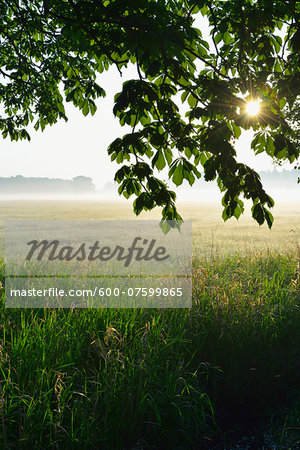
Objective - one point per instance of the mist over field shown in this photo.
(211, 235)
(281, 185)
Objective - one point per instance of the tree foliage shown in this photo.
(293, 119)
(53, 50)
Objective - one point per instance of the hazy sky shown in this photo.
(79, 146)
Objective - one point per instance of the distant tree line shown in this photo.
(38, 185)
(283, 179)
(81, 184)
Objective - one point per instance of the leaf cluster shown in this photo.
(52, 52)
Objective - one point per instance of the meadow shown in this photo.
(222, 375)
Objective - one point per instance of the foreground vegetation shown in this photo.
(201, 378)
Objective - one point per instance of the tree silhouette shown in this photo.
(52, 51)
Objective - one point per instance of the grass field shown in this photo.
(222, 375)
(211, 235)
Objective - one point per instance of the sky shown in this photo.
(79, 146)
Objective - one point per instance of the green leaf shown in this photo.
(218, 38)
(178, 175)
(85, 108)
(224, 215)
(165, 226)
(236, 130)
(258, 213)
(192, 101)
(168, 155)
(227, 38)
(270, 146)
(159, 160)
(184, 96)
(269, 218)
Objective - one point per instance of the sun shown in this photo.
(253, 107)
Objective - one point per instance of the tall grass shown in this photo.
(138, 378)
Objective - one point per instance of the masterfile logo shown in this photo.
(143, 252)
(97, 248)
(135, 262)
